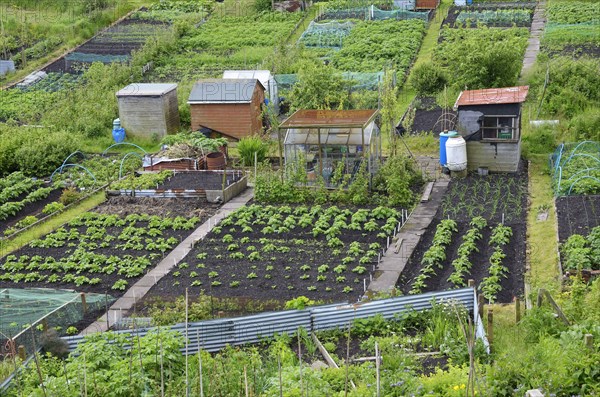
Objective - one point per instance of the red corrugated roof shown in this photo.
(329, 118)
(492, 96)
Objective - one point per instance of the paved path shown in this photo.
(537, 30)
(122, 306)
(400, 250)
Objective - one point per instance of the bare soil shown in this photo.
(577, 215)
(30, 209)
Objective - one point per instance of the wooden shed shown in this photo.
(426, 4)
(490, 122)
(147, 110)
(231, 107)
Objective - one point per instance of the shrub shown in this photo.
(251, 145)
(69, 196)
(427, 79)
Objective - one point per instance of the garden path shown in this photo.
(122, 306)
(398, 253)
(537, 29)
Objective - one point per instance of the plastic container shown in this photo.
(456, 152)
(443, 138)
(118, 134)
(116, 124)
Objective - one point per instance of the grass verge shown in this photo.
(47, 227)
(542, 245)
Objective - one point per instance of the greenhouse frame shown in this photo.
(322, 140)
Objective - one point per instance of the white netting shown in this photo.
(328, 34)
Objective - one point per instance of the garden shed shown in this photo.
(231, 107)
(266, 79)
(490, 122)
(147, 110)
(323, 140)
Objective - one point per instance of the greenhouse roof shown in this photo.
(344, 136)
(223, 91)
(492, 96)
(329, 119)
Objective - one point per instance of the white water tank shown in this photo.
(456, 153)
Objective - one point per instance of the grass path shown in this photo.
(542, 244)
(47, 227)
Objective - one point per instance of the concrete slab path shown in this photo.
(537, 30)
(125, 303)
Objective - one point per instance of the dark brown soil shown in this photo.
(577, 215)
(515, 251)
(30, 209)
(427, 117)
(181, 207)
(200, 180)
(574, 51)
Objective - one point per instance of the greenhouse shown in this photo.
(321, 141)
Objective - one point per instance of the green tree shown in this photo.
(318, 87)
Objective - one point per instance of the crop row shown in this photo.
(93, 247)
(491, 17)
(269, 251)
(372, 46)
(16, 185)
(582, 252)
(435, 256)
(490, 286)
(462, 265)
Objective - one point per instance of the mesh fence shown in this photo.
(372, 13)
(91, 58)
(359, 81)
(25, 312)
(329, 34)
(495, 16)
(576, 168)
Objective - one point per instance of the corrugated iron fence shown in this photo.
(214, 335)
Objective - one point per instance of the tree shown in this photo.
(318, 87)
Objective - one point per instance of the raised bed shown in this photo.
(267, 253)
(498, 199)
(194, 184)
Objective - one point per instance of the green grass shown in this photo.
(46, 227)
(542, 236)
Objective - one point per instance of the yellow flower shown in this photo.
(462, 386)
(455, 387)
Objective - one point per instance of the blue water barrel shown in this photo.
(118, 134)
(443, 138)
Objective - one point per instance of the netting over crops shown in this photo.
(588, 32)
(576, 168)
(360, 81)
(329, 34)
(372, 13)
(495, 16)
(91, 58)
(23, 312)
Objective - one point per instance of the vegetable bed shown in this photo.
(270, 252)
(478, 233)
(492, 16)
(577, 215)
(100, 252)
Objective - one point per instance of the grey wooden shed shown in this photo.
(147, 110)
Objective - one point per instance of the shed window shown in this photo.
(500, 127)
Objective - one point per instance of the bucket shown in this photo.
(215, 161)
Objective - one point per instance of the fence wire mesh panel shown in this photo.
(25, 313)
(328, 34)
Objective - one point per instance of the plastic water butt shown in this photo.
(443, 138)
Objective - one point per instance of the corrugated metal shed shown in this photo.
(492, 96)
(223, 91)
(329, 118)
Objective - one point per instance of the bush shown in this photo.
(69, 196)
(251, 145)
(539, 140)
(394, 180)
(586, 126)
(427, 79)
(262, 5)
